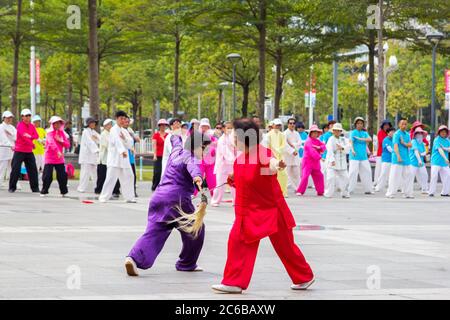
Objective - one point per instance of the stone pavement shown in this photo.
(366, 247)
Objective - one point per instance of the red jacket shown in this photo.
(259, 199)
(381, 135)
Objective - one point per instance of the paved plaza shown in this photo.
(366, 247)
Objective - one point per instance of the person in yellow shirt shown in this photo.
(39, 144)
(276, 142)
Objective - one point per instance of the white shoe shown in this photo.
(43, 195)
(221, 288)
(197, 269)
(214, 204)
(390, 197)
(131, 201)
(346, 196)
(131, 267)
(298, 194)
(101, 200)
(303, 286)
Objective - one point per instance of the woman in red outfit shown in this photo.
(382, 133)
(261, 211)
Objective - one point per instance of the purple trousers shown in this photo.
(150, 244)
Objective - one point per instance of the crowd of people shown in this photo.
(107, 159)
(259, 167)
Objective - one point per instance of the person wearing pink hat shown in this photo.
(311, 162)
(440, 162)
(158, 140)
(415, 125)
(55, 143)
(417, 157)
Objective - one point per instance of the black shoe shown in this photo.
(445, 195)
(36, 191)
(11, 190)
(116, 196)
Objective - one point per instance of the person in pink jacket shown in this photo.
(209, 159)
(311, 162)
(225, 156)
(54, 156)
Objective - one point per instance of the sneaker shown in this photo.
(390, 197)
(101, 200)
(43, 195)
(303, 286)
(197, 269)
(369, 192)
(214, 204)
(221, 288)
(298, 194)
(346, 196)
(445, 195)
(11, 190)
(409, 197)
(131, 267)
(131, 201)
(431, 195)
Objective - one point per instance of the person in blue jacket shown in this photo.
(440, 162)
(417, 155)
(386, 160)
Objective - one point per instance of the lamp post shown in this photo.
(222, 87)
(434, 38)
(393, 65)
(234, 58)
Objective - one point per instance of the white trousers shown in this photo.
(421, 175)
(126, 179)
(444, 172)
(323, 168)
(293, 173)
(363, 169)
(377, 172)
(87, 171)
(39, 162)
(383, 178)
(5, 170)
(221, 178)
(400, 177)
(336, 178)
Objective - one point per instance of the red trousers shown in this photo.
(242, 255)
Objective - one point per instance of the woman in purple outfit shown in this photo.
(174, 192)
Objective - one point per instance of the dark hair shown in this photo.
(247, 131)
(325, 126)
(292, 119)
(172, 121)
(196, 140)
(331, 122)
(300, 125)
(402, 119)
(121, 113)
(390, 129)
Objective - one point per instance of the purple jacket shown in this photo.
(176, 187)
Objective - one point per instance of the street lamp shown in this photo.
(222, 87)
(234, 58)
(434, 38)
(393, 65)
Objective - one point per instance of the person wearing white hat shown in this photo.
(291, 158)
(417, 155)
(276, 141)
(23, 153)
(440, 162)
(336, 163)
(103, 159)
(39, 144)
(359, 161)
(7, 141)
(55, 143)
(118, 161)
(88, 158)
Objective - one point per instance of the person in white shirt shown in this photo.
(103, 158)
(8, 136)
(291, 158)
(336, 163)
(223, 167)
(89, 151)
(175, 125)
(118, 163)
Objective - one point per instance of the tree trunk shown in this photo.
(381, 79)
(69, 93)
(245, 94)
(371, 90)
(16, 42)
(278, 82)
(94, 99)
(176, 93)
(80, 112)
(261, 25)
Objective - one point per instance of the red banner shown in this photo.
(447, 81)
(38, 72)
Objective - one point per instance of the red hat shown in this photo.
(417, 124)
